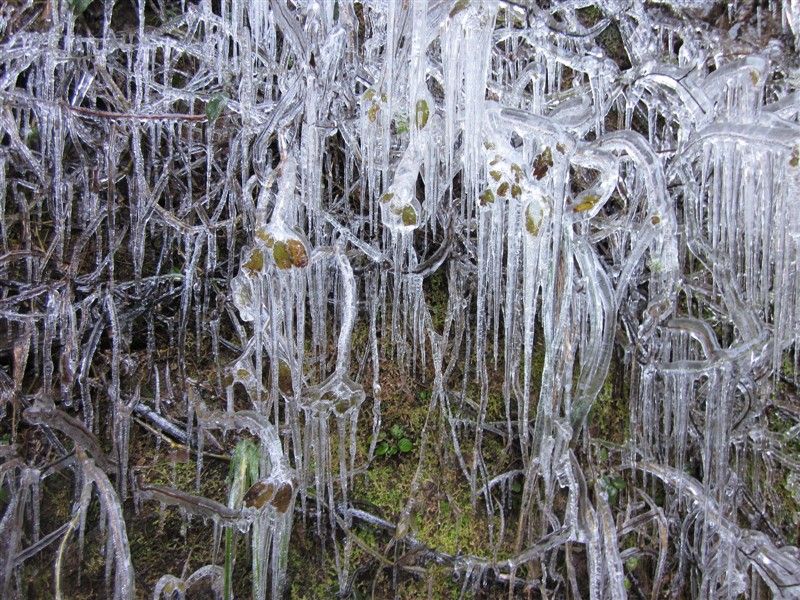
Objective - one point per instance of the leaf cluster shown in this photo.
(397, 442)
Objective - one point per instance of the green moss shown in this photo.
(611, 41)
(312, 576)
(589, 15)
(436, 583)
(173, 467)
(451, 529)
(781, 425)
(609, 416)
(386, 485)
(440, 583)
(436, 295)
(495, 405)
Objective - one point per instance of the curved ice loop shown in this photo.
(273, 458)
(43, 412)
(205, 581)
(754, 346)
(696, 397)
(117, 547)
(598, 344)
(657, 231)
(173, 587)
(575, 114)
(668, 83)
(587, 204)
(778, 568)
(744, 355)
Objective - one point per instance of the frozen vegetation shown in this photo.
(230, 230)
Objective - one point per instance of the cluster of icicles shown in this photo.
(235, 187)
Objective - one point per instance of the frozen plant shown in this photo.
(220, 222)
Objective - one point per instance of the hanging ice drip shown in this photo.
(338, 399)
(400, 210)
(269, 286)
(402, 215)
(513, 226)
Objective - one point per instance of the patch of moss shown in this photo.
(451, 528)
(163, 543)
(781, 425)
(589, 15)
(436, 296)
(609, 416)
(495, 405)
(609, 39)
(312, 576)
(437, 582)
(386, 485)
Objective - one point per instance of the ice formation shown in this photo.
(238, 187)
